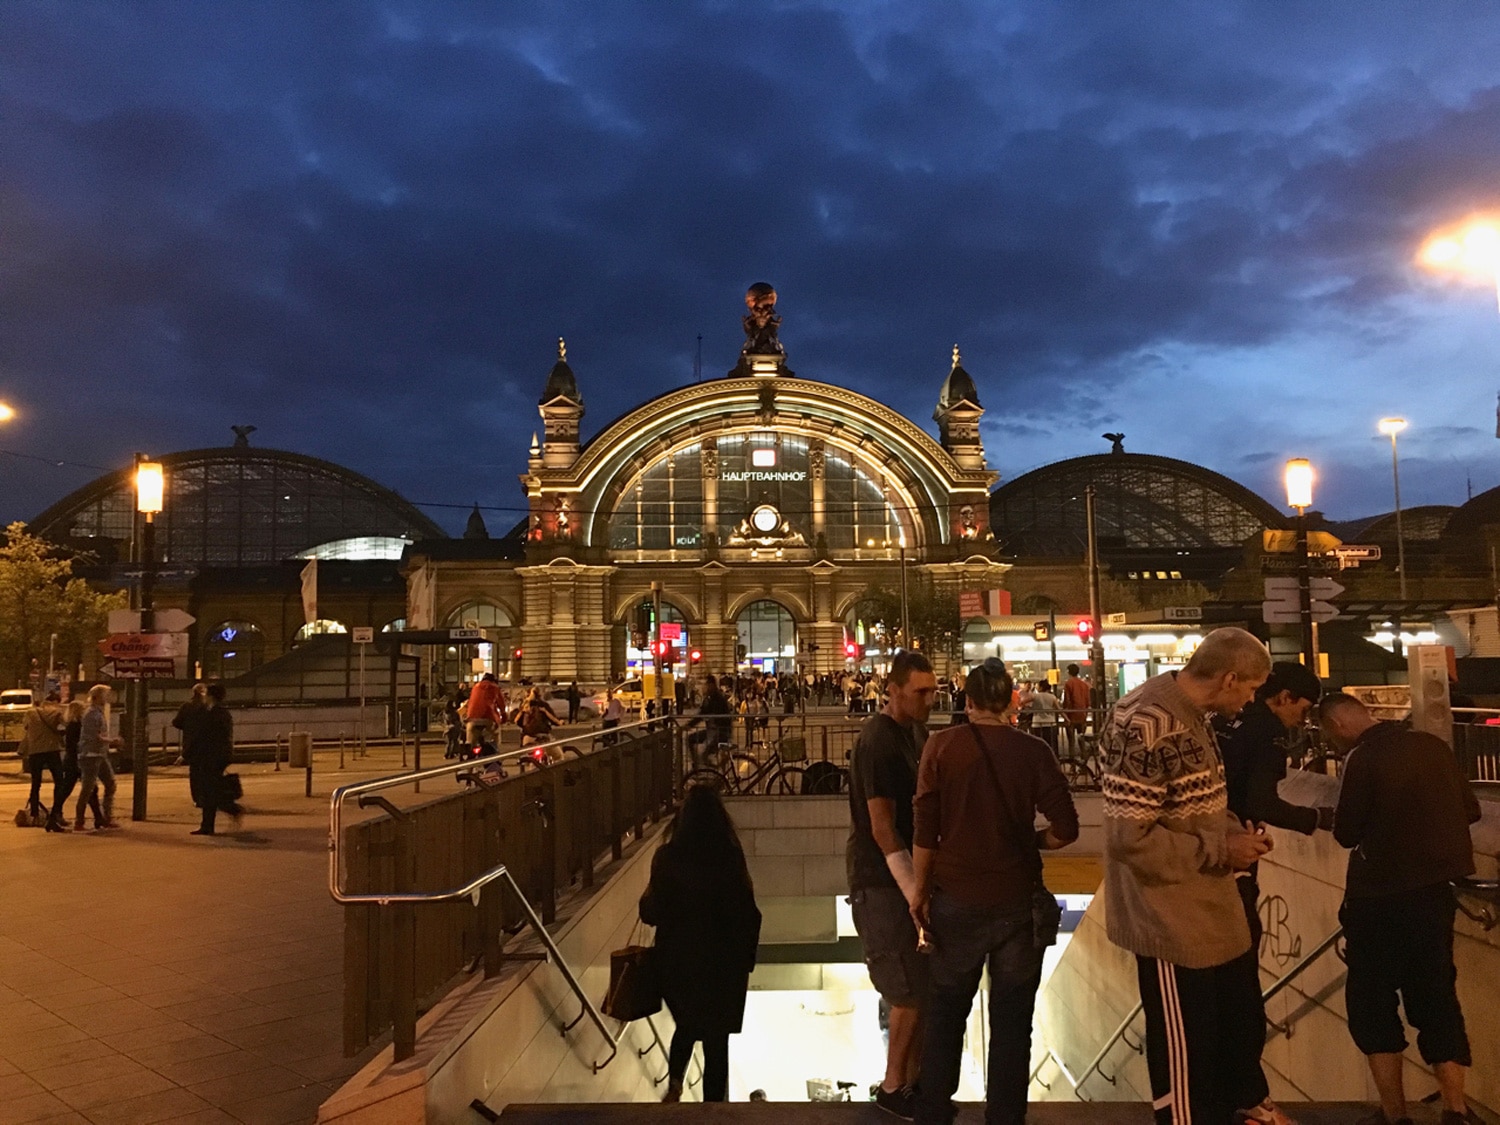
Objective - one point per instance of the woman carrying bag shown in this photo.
(702, 904)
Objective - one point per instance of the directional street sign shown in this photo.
(172, 620)
(1283, 605)
(139, 668)
(145, 645)
(1287, 564)
(1285, 542)
(364, 634)
(466, 634)
(1182, 613)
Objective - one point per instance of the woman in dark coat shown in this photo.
(209, 749)
(702, 904)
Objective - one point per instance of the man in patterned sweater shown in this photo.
(1171, 848)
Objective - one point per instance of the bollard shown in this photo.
(341, 749)
(307, 779)
(403, 749)
(416, 743)
(276, 754)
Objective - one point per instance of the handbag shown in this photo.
(1046, 914)
(634, 990)
(234, 789)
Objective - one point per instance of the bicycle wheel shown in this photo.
(1078, 773)
(744, 767)
(785, 782)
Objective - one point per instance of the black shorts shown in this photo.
(889, 936)
(1402, 945)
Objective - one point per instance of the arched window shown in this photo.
(767, 637)
(321, 627)
(231, 649)
(394, 626)
(458, 663)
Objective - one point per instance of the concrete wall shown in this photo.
(1302, 885)
(500, 1039)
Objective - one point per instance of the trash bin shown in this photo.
(299, 749)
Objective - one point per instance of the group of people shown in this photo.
(71, 743)
(945, 879)
(474, 716)
(1186, 811)
(1056, 713)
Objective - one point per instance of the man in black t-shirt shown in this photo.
(882, 783)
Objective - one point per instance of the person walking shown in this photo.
(41, 753)
(1404, 812)
(1171, 850)
(94, 745)
(1046, 716)
(1254, 749)
(187, 722)
(72, 730)
(979, 891)
(575, 701)
(702, 903)
(882, 882)
(614, 711)
(213, 738)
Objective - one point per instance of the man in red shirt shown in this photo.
(1076, 696)
(482, 714)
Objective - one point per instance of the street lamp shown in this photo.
(7, 412)
(1299, 483)
(150, 495)
(1472, 248)
(905, 609)
(1391, 427)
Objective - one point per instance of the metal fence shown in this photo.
(550, 826)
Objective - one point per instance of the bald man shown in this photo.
(1171, 850)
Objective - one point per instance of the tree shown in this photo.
(39, 596)
(935, 624)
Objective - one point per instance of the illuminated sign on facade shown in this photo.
(762, 475)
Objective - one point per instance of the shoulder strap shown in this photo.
(994, 771)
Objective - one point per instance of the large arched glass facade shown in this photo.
(663, 507)
(768, 637)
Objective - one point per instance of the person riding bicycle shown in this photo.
(717, 717)
(483, 712)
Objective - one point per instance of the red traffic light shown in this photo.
(516, 654)
(1085, 629)
(695, 655)
(850, 649)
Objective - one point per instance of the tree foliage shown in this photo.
(40, 596)
(935, 624)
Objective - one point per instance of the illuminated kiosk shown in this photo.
(767, 505)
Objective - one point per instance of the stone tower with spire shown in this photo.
(561, 408)
(957, 415)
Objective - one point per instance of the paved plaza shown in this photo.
(147, 975)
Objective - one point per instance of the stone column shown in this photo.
(710, 462)
(816, 464)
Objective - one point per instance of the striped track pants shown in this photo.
(1204, 1034)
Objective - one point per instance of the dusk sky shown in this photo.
(361, 227)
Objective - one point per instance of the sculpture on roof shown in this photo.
(761, 327)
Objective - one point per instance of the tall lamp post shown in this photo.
(1391, 427)
(905, 605)
(150, 492)
(1096, 633)
(1299, 482)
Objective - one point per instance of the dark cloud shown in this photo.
(361, 226)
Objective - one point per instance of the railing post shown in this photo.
(491, 905)
(616, 800)
(403, 950)
(823, 739)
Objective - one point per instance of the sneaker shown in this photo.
(901, 1102)
(107, 826)
(1266, 1113)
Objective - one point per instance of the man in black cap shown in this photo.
(1254, 749)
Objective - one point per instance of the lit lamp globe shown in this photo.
(1299, 482)
(150, 487)
(7, 412)
(1390, 427)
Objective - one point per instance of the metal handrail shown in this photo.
(365, 791)
(656, 1041)
(1095, 1067)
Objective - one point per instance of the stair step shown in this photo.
(866, 1113)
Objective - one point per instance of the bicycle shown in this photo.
(739, 773)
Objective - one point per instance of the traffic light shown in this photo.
(668, 653)
(853, 650)
(517, 654)
(1041, 631)
(695, 656)
(1085, 630)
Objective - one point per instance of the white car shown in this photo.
(16, 699)
(557, 699)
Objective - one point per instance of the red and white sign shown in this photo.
(139, 645)
(671, 631)
(140, 668)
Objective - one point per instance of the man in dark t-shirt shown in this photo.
(882, 783)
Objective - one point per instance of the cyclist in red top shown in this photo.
(482, 714)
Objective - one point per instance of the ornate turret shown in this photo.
(957, 415)
(561, 408)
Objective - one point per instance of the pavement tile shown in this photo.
(11, 1040)
(225, 1023)
(115, 1016)
(71, 989)
(32, 1107)
(289, 1107)
(149, 1109)
(104, 1091)
(62, 1076)
(333, 1068)
(187, 1009)
(26, 1015)
(19, 1086)
(72, 1117)
(197, 1046)
(44, 1058)
(7, 1067)
(187, 1072)
(204, 1117)
(169, 1032)
(303, 1029)
(247, 1085)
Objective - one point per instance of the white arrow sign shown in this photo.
(1283, 603)
(172, 620)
